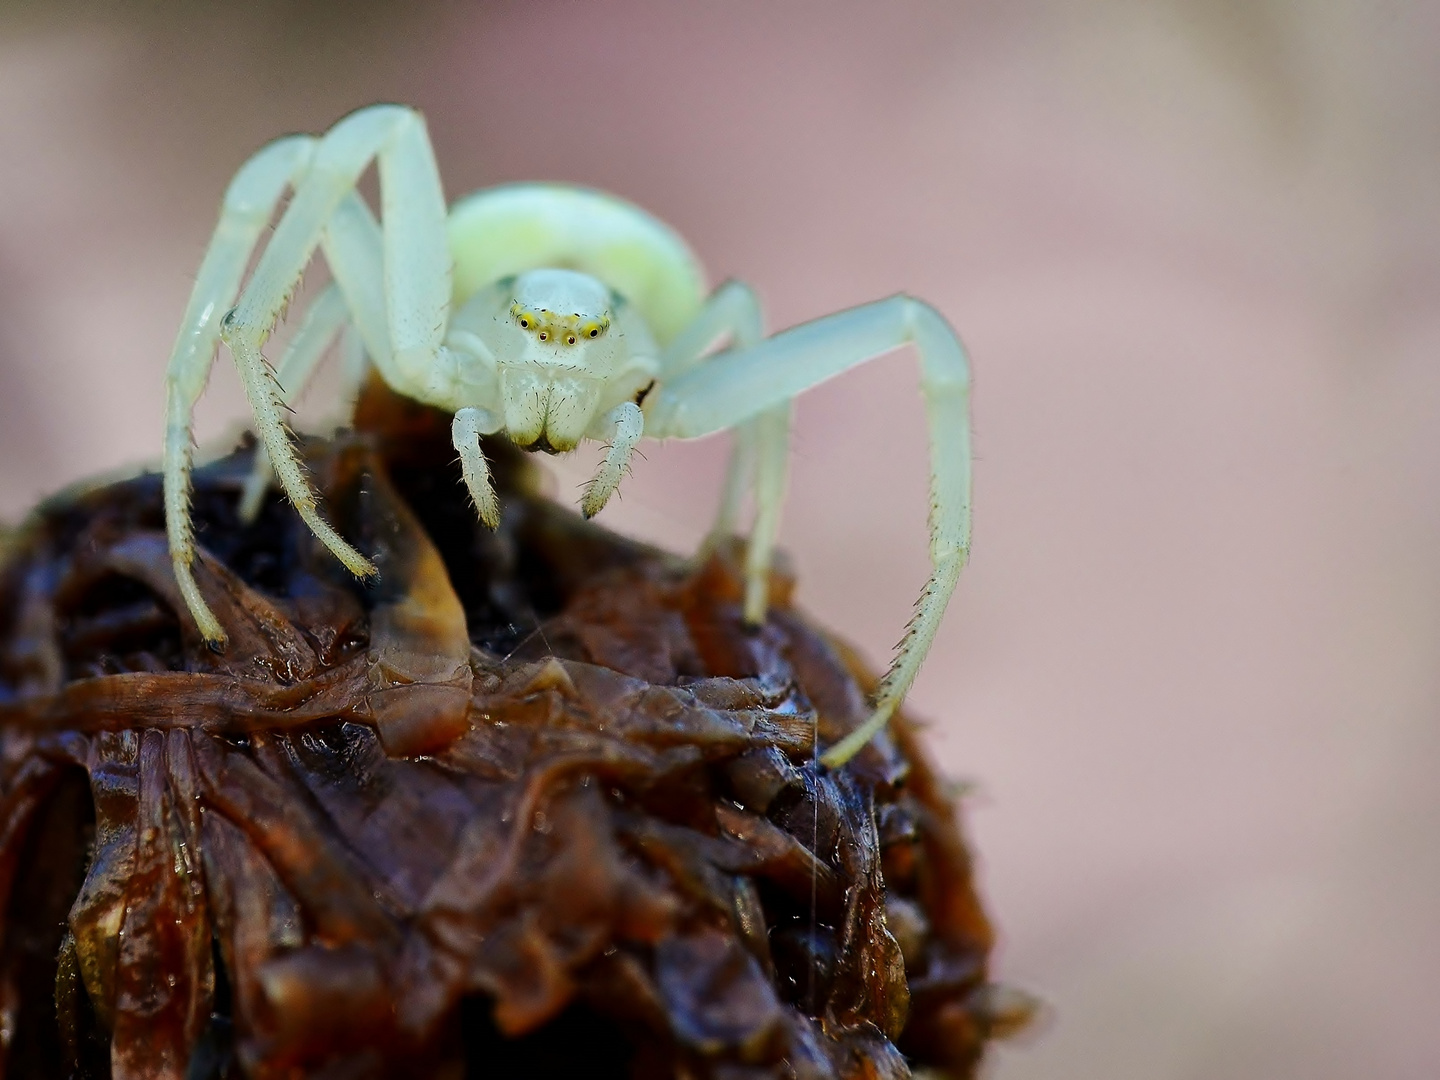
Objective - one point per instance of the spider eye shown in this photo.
(570, 340)
(543, 335)
(525, 322)
(594, 331)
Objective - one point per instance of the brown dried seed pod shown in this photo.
(537, 803)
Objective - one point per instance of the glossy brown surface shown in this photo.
(537, 804)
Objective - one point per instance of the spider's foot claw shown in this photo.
(211, 632)
(591, 505)
(363, 569)
(489, 516)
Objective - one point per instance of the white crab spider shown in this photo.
(546, 313)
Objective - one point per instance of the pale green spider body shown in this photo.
(546, 313)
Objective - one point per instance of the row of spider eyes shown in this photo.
(544, 324)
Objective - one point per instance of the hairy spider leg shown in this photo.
(323, 322)
(246, 209)
(739, 385)
(354, 370)
(465, 431)
(417, 276)
(760, 456)
(354, 250)
(624, 425)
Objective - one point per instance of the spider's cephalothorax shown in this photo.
(564, 349)
(543, 312)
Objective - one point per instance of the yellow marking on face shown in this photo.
(593, 328)
(546, 325)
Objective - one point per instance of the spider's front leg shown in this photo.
(249, 202)
(416, 290)
(740, 385)
(408, 268)
(325, 320)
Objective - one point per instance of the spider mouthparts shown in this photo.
(544, 445)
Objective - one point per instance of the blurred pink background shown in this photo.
(1194, 247)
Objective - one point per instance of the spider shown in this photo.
(546, 313)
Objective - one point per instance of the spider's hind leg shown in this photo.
(416, 282)
(772, 459)
(760, 456)
(759, 462)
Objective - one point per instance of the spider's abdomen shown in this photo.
(503, 231)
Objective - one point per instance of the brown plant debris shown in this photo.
(536, 804)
